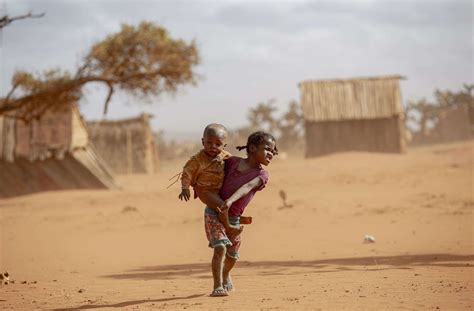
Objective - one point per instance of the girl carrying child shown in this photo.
(243, 178)
(238, 179)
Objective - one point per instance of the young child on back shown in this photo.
(243, 178)
(204, 171)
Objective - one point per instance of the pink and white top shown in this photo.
(234, 179)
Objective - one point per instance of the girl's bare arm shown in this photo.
(242, 191)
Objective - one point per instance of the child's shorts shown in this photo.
(216, 234)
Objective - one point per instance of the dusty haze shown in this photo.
(140, 247)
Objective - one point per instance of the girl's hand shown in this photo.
(225, 206)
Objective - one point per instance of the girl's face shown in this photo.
(263, 153)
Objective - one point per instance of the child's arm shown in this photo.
(211, 199)
(242, 191)
(190, 171)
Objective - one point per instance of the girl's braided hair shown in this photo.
(256, 139)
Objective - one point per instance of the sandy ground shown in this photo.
(141, 248)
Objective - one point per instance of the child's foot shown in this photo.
(219, 292)
(234, 230)
(228, 285)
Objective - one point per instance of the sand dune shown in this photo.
(141, 248)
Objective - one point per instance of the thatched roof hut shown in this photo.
(353, 114)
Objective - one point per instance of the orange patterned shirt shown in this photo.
(204, 173)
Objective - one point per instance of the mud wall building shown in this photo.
(52, 153)
(127, 145)
(363, 114)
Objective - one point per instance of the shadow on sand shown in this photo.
(127, 303)
(202, 270)
(375, 263)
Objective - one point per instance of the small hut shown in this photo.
(52, 153)
(364, 114)
(127, 145)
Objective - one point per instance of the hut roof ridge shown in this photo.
(142, 117)
(353, 79)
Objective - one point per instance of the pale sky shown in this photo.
(251, 51)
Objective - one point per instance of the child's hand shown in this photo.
(185, 194)
(234, 230)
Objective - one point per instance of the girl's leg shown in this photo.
(217, 267)
(231, 258)
(229, 263)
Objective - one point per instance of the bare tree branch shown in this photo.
(10, 93)
(111, 91)
(7, 20)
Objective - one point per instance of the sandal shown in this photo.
(219, 292)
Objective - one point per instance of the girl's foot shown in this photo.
(228, 285)
(219, 292)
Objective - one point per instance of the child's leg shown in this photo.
(211, 199)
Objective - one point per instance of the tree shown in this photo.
(261, 117)
(423, 116)
(288, 129)
(291, 127)
(143, 60)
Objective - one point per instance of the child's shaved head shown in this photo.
(215, 129)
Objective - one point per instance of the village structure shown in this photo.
(52, 153)
(127, 145)
(361, 114)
